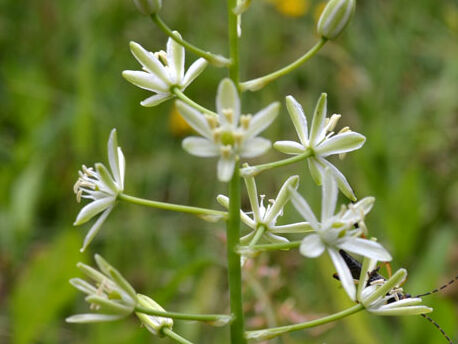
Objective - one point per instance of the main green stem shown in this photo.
(278, 331)
(233, 224)
(234, 261)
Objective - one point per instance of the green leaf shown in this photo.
(43, 290)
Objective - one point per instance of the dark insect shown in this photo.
(355, 269)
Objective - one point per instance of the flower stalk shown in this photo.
(258, 83)
(212, 319)
(209, 215)
(217, 60)
(278, 331)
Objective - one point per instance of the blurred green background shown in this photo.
(393, 75)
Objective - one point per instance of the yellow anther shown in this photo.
(228, 114)
(212, 121)
(245, 121)
(238, 138)
(226, 151)
(217, 134)
(344, 130)
(332, 122)
(162, 56)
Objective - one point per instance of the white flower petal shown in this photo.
(253, 197)
(227, 98)
(317, 132)
(175, 59)
(194, 71)
(329, 196)
(364, 247)
(344, 273)
(93, 317)
(195, 119)
(113, 156)
(300, 227)
(281, 199)
(316, 170)
(92, 209)
(121, 169)
(262, 119)
(254, 147)
(147, 81)
(201, 147)
(297, 115)
(83, 286)
(289, 147)
(342, 182)
(410, 301)
(410, 310)
(95, 228)
(225, 169)
(312, 246)
(340, 143)
(156, 99)
(357, 211)
(304, 209)
(149, 61)
(272, 238)
(109, 306)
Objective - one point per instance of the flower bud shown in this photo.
(154, 324)
(335, 17)
(148, 7)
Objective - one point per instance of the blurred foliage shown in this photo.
(393, 75)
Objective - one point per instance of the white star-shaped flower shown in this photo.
(267, 217)
(386, 297)
(101, 187)
(320, 142)
(229, 135)
(162, 71)
(111, 296)
(336, 231)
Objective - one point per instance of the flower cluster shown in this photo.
(386, 297)
(229, 135)
(264, 218)
(101, 187)
(321, 141)
(337, 231)
(162, 71)
(112, 297)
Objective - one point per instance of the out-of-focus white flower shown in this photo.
(162, 71)
(266, 217)
(154, 324)
(321, 141)
(386, 297)
(336, 231)
(229, 135)
(101, 187)
(111, 296)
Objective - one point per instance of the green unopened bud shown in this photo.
(148, 7)
(154, 324)
(335, 17)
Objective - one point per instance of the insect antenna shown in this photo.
(438, 327)
(440, 288)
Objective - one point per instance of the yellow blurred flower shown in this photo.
(292, 8)
(178, 126)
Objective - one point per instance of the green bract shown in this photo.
(335, 17)
(154, 324)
